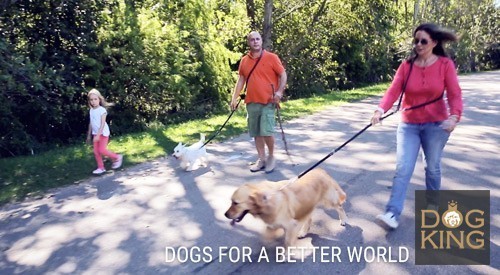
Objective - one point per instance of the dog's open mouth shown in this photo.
(234, 221)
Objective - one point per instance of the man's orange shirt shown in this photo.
(263, 78)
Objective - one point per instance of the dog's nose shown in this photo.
(227, 214)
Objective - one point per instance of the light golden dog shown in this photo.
(288, 204)
(243, 199)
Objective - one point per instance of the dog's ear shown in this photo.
(266, 196)
(261, 198)
(253, 208)
(254, 198)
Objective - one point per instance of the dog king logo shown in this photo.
(452, 227)
(452, 218)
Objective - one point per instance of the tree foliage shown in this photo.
(166, 61)
(42, 44)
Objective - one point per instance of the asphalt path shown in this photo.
(130, 222)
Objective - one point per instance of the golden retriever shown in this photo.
(243, 199)
(288, 204)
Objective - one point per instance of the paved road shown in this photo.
(123, 223)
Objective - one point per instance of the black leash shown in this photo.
(342, 146)
(224, 124)
(369, 125)
(242, 96)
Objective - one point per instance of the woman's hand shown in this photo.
(96, 138)
(450, 124)
(376, 117)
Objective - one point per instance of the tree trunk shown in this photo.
(472, 61)
(268, 25)
(416, 12)
(251, 13)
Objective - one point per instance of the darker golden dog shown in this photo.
(288, 204)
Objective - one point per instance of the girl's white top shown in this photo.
(95, 120)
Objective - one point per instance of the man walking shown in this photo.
(265, 79)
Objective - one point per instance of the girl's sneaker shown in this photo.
(118, 162)
(98, 171)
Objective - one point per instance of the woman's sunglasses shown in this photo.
(421, 41)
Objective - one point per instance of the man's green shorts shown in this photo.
(260, 119)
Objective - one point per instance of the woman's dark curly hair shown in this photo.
(437, 34)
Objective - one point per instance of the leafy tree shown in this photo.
(167, 61)
(42, 45)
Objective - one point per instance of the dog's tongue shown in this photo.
(234, 221)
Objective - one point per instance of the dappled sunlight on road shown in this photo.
(133, 211)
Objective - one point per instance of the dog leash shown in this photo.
(281, 128)
(242, 96)
(224, 124)
(360, 132)
(369, 125)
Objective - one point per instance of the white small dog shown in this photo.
(192, 155)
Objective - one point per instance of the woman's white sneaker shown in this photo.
(389, 219)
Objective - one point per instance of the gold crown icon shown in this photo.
(452, 205)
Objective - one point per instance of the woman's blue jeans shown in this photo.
(410, 137)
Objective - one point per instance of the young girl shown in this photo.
(100, 130)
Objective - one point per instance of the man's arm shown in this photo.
(237, 90)
(282, 83)
(281, 87)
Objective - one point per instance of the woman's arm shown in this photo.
(453, 91)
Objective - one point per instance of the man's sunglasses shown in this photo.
(421, 41)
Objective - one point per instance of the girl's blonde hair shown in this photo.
(102, 100)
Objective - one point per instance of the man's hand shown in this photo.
(234, 104)
(277, 97)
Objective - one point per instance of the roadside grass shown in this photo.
(31, 176)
